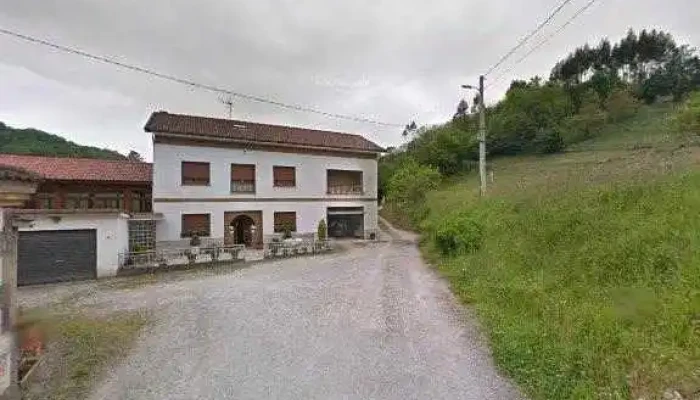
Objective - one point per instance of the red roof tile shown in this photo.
(80, 169)
(203, 127)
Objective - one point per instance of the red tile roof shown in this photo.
(80, 169)
(203, 127)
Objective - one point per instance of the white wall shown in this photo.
(112, 235)
(310, 185)
(308, 215)
(310, 172)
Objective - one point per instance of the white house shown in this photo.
(244, 181)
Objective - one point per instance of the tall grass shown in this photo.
(592, 293)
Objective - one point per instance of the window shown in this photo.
(242, 178)
(114, 201)
(195, 224)
(77, 201)
(344, 182)
(195, 173)
(44, 201)
(140, 202)
(284, 176)
(286, 220)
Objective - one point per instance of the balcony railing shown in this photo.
(284, 183)
(242, 186)
(345, 189)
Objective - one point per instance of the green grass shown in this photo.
(87, 345)
(587, 281)
(591, 295)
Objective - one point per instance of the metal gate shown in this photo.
(55, 256)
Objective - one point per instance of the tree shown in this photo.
(134, 156)
(409, 185)
(462, 109)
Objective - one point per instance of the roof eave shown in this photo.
(269, 144)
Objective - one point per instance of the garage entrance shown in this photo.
(346, 222)
(56, 256)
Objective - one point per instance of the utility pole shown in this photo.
(482, 133)
(482, 137)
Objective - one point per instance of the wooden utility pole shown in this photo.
(482, 137)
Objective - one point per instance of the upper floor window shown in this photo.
(242, 178)
(344, 182)
(44, 201)
(195, 173)
(195, 224)
(284, 176)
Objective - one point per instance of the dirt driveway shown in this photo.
(373, 322)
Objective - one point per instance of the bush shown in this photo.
(621, 105)
(458, 234)
(322, 230)
(587, 124)
(688, 118)
(408, 186)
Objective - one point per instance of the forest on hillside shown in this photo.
(37, 142)
(591, 87)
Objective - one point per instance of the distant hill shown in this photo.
(36, 142)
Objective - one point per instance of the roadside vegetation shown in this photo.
(583, 262)
(79, 349)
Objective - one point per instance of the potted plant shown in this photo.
(192, 253)
(322, 234)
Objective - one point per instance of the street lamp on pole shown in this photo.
(482, 133)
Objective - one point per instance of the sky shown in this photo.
(390, 60)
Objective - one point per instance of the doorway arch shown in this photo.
(242, 230)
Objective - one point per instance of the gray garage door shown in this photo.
(346, 222)
(55, 256)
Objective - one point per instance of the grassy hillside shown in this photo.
(584, 266)
(33, 141)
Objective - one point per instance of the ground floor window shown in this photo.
(142, 235)
(196, 224)
(285, 221)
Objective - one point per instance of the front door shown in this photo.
(243, 227)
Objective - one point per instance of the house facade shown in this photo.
(247, 183)
(83, 215)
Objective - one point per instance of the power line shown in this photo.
(529, 36)
(544, 41)
(191, 83)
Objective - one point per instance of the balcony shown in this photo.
(243, 186)
(341, 182)
(345, 189)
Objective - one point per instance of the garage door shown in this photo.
(55, 256)
(346, 222)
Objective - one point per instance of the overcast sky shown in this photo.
(393, 60)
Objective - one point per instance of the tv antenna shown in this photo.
(228, 102)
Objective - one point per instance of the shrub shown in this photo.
(408, 186)
(548, 141)
(621, 105)
(322, 230)
(587, 124)
(458, 234)
(688, 118)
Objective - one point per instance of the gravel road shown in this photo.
(369, 323)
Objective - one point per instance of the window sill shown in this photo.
(195, 184)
